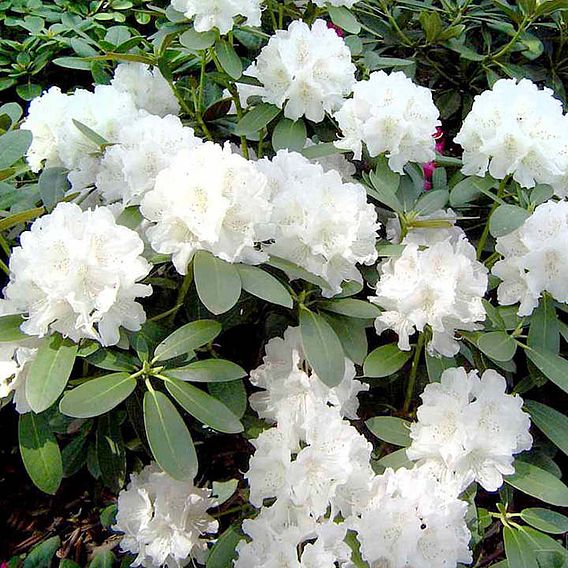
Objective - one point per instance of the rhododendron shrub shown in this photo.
(278, 304)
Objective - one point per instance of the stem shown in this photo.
(485, 234)
(522, 28)
(413, 372)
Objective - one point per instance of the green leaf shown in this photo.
(497, 345)
(111, 360)
(263, 285)
(385, 183)
(42, 555)
(28, 91)
(351, 308)
(469, 189)
(206, 408)
(552, 423)
(13, 110)
(224, 551)
(228, 58)
(90, 134)
(549, 552)
(52, 185)
(545, 520)
(432, 201)
(40, 452)
(102, 559)
(385, 361)
(506, 218)
(49, 372)
(544, 331)
(168, 437)
(352, 335)
(435, 366)
(256, 119)
(74, 456)
(344, 18)
(13, 145)
(222, 491)
(538, 483)
(110, 452)
(208, 371)
(295, 272)
(108, 516)
(218, 282)
(97, 396)
(10, 328)
(321, 150)
(232, 394)
(73, 63)
(390, 429)
(519, 553)
(551, 365)
(431, 24)
(396, 460)
(197, 40)
(322, 348)
(66, 563)
(289, 134)
(187, 338)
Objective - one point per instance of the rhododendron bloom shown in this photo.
(390, 115)
(321, 224)
(307, 71)
(515, 129)
(209, 199)
(468, 426)
(210, 14)
(535, 259)
(164, 520)
(78, 273)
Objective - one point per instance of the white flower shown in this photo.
(535, 259)
(324, 3)
(309, 70)
(470, 428)
(147, 87)
(434, 228)
(292, 398)
(56, 139)
(323, 225)
(209, 14)
(412, 520)
(163, 520)
(440, 287)
(77, 273)
(517, 129)
(390, 115)
(337, 162)
(143, 148)
(328, 549)
(15, 360)
(209, 199)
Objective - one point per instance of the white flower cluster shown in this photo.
(307, 71)
(517, 129)
(535, 259)
(128, 168)
(310, 475)
(163, 520)
(391, 115)
(209, 199)
(433, 283)
(325, 3)
(469, 428)
(308, 468)
(210, 14)
(57, 141)
(15, 360)
(78, 272)
(320, 223)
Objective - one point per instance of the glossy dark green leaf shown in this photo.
(218, 282)
(208, 371)
(385, 361)
(110, 452)
(263, 285)
(42, 554)
(97, 396)
(168, 437)
(351, 307)
(224, 551)
(352, 334)
(390, 429)
(50, 371)
(538, 483)
(497, 345)
(204, 407)
(322, 347)
(545, 520)
(228, 58)
(232, 394)
(256, 119)
(40, 452)
(544, 331)
(550, 365)
(519, 553)
(552, 423)
(187, 338)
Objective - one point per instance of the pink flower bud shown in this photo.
(337, 30)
